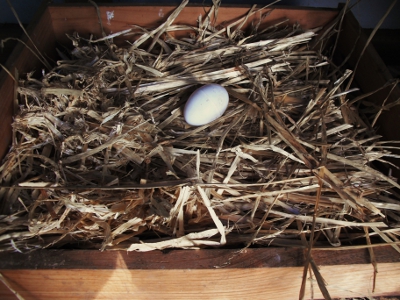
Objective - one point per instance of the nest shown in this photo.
(102, 157)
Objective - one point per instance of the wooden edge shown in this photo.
(22, 59)
(255, 273)
(350, 282)
(189, 259)
(204, 6)
(371, 74)
(115, 18)
(190, 4)
(183, 274)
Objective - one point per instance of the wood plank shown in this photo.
(24, 61)
(387, 44)
(370, 75)
(83, 19)
(253, 274)
(6, 112)
(6, 31)
(184, 259)
(259, 283)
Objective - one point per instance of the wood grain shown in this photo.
(184, 259)
(259, 283)
(183, 274)
(84, 20)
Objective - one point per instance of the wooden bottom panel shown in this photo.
(260, 283)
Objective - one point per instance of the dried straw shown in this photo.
(102, 158)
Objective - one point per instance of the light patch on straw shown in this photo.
(213, 215)
(198, 164)
(232, 169)
(189, 241)
(177, 210)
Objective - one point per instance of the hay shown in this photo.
(102, 158)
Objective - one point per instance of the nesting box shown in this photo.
(254, 273)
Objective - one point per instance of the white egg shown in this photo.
(206, 104)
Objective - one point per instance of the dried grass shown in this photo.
(102, 158)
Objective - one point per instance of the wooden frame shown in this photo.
(262, 273)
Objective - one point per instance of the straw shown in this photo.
(103, 159)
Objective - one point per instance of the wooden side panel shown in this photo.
(370, 75)
(85, 21)
(24, 61)
(261, 283)
(262, 273)
(6, 112)
(183, 259)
